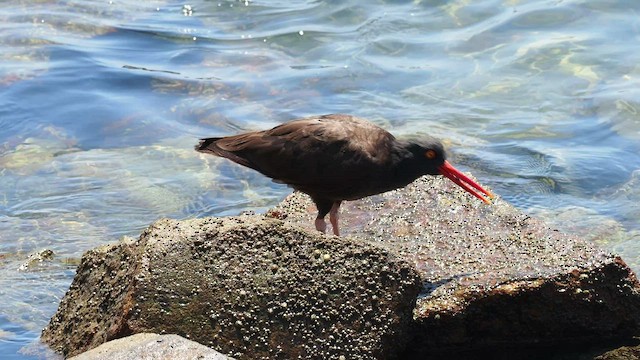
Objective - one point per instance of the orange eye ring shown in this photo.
(430, 154)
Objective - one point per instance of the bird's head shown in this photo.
(432, 159)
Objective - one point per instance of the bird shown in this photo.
(338, 157)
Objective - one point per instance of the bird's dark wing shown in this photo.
(316, 154)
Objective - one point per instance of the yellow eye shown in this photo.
(430, 154)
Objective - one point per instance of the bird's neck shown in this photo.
(406, 167)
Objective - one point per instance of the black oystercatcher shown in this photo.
(338, 157)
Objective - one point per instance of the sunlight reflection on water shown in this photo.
(102, 102)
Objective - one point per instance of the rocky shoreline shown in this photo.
(421, 272)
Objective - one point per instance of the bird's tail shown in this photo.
(207, 145)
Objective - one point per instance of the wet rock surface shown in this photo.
(151, 346)
(35, 259)
(492, 275)
(248, 286)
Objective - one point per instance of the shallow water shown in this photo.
(101, 103)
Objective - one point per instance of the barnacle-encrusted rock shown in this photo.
(250, 287)
(257, 287)
(493, 276)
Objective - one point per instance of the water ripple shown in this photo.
(101, 103)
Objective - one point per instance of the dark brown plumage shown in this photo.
(337, 157)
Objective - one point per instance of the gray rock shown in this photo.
(247, 286)
(147, 346)
(255, 287)
(493, 276)
(621, 353)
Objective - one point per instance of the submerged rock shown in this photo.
(247, 286)
(36, 259)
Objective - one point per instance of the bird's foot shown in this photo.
(321, 225)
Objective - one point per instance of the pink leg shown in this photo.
(333, 217)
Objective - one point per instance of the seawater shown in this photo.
(101, 103)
